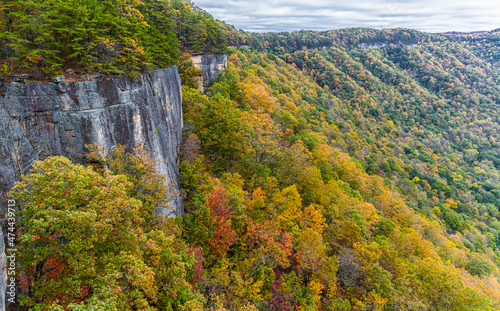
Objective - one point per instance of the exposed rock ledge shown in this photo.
(210, 65)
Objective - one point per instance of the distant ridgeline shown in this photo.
(46, 38)
(347, 38)
(486, 44)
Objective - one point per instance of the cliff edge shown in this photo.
(59, 118)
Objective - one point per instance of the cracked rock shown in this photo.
(75, 113)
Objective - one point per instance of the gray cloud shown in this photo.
(426, 15)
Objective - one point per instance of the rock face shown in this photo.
(210, 66)
(64, 116)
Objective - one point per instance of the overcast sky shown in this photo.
(426, 15)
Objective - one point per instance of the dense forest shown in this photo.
(46, 38)
(352, 169)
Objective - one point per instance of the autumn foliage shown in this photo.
(221, 212)
(313, 179)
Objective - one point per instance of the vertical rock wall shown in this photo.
(210, 66)
(63, 117)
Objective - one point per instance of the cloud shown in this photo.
(426, 15)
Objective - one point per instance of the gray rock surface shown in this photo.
(210, 66)
(66, 115)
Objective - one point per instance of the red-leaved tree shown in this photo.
(221, 212)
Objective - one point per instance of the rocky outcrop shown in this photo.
(210, 66)
(63, 116)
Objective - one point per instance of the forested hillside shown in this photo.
(351, 169)
(45, 38)
(362, 119)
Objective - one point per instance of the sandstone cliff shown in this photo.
(63, 116)
(210, 65)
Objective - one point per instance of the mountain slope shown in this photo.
(318, 120)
